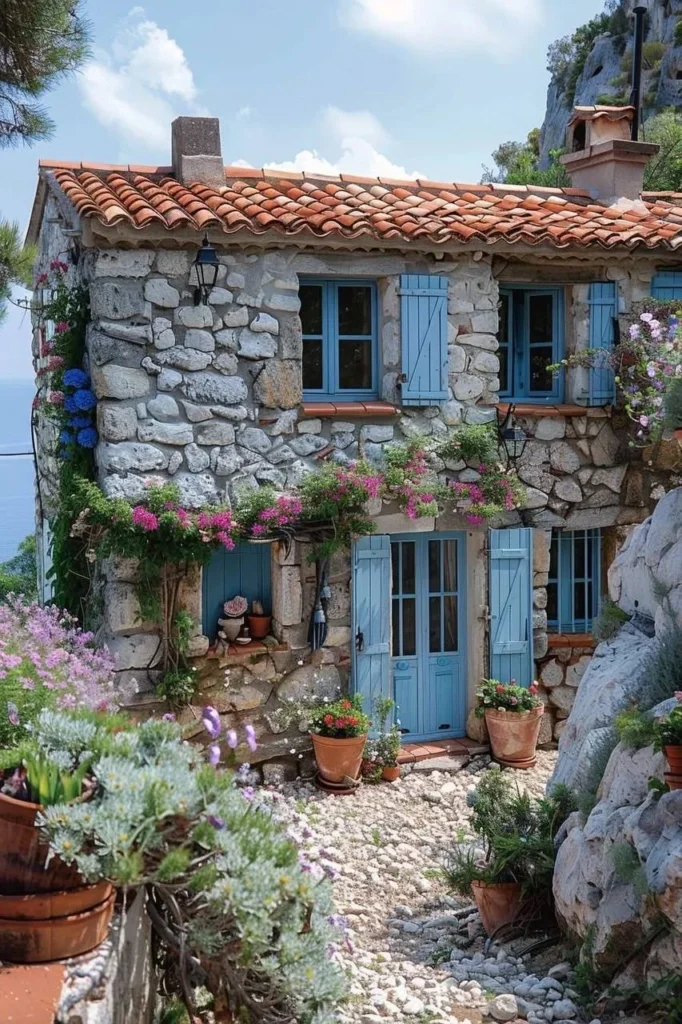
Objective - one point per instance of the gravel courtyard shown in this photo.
(415, 956)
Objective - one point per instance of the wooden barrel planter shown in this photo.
(24, 867)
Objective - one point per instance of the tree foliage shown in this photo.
(16, 262)
(41, 41)
(18, 575)
(663, 173)
(516, 163)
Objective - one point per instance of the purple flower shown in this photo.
(251, 738)
(210, 720)
(12, 713)
(214, 754)
(168, 717)
(248, 792)
(217, 822)
(231, 738)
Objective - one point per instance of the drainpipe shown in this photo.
(636, 94)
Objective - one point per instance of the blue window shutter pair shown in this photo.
(603, 305)
(511, 611)
(667, 285)
(424, 329)
(245, 571)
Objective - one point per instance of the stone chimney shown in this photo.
(601, 157)
(196, 153)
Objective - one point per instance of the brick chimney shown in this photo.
(602, 157)
(196, 153)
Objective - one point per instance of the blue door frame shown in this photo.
(410, 589)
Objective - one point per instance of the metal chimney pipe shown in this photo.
(636, 94)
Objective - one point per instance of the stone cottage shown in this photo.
(349, 313)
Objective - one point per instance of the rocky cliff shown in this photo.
(595, 64)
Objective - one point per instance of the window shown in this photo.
(339, 321)
(667, 285)
(245, 571)
(574, 587)
(530, 339)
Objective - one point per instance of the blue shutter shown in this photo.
(667, 285)
(603, 304)
(424, 329)
(511, 624)
(245, 571)
(371, 617)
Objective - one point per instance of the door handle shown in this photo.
(359, 640)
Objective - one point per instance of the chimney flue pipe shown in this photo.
(636, 95)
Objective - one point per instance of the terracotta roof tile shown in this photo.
(369, 209)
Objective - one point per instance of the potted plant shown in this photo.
(338, 731)
(259, 622)
(47, 911)
(512, 715)
(668, 738)
(508, 863)
(230, 626)
(387, 743)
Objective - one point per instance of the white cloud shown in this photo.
(356, 135)
(244, 113)
(495, 27)
(141, 84)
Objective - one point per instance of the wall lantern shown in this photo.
(511, 438)
(206, 266)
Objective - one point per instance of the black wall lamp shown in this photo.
(206, 266)
(511, 438)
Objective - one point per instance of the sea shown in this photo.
(17, 476)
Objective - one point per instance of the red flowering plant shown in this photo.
(412, 481)
(263, 514)
(494, 492)
(341, 719)
(495, 696)
(334, 501)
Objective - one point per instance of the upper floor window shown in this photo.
(339, 321)
(530, 339)
(667, 285)
(574, 586)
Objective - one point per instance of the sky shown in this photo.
(400, 88)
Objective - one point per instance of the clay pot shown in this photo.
(674, 759)
(498, 903)
(338, 759)
(259, 625)
(23, 856)
(39, 928)
(231, 628)
(391, 772)
(672, 780)
(677, 434)
(514, 736)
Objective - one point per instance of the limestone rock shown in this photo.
(115, 422)
(121, 458)
(215, 433)
(308, 681)
(255, 439)
(226, 362)
(159, 292)
(265, 322)
(254, 345)
(605, 447)
(185, 358)
(196, 413)
(123, 262)
(204, 341)
(564, 458)
(278, 386)
(550, 428)
(112, 381)
(308, 443)
(197, 460)
(118, 300)
(568, 490)
(165, 433)
(467, 387)
(212, 388)
(220, 297)
(168, 380)
(237, 318)
(194, 316)
(197, 489)
(163, 407)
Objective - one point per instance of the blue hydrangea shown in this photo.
(78, 422)
(87, 438)
(76, 378)
(70, 403)
(66, 437)
(84, 399)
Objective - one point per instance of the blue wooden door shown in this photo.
(428, 634)
(511, 626)
(371, 618)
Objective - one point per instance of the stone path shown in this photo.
(417, 951)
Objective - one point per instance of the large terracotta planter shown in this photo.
(674, 759)
(23, 856)
(498, 903)
(259, 626)
(36, 929)
(514, 736)
(337, 759)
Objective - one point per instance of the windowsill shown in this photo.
(571, 640)
(256, 648)
(539, 410)
(369, 409)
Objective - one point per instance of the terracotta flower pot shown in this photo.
(259, 625)
(28, 937)
(677, 434)
(514, 735)
(498, 903)
(672, 780)
(391, 773)
(338, 759)
(23, 856)
(674, 759)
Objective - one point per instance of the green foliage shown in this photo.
(668, 730)
(492, 695)
(19, 575)
(609, 622)
(41, 41)
(336, 496)
(672, 402)
(386, 746)
(663, 172)
(177, 687)
(472, 443)
(343, 718)
(516, 164)
(514, 836)
(665, 994)
(16, 260)
(635, 728)
(600, 756)
(661, 674)
(653, 53)
(588, 979)
(628, 867)
(226, 876)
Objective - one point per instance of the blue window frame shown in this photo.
(574, 586)
(245, 571)
(667, 285)
(530, 339)
(339, 320)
